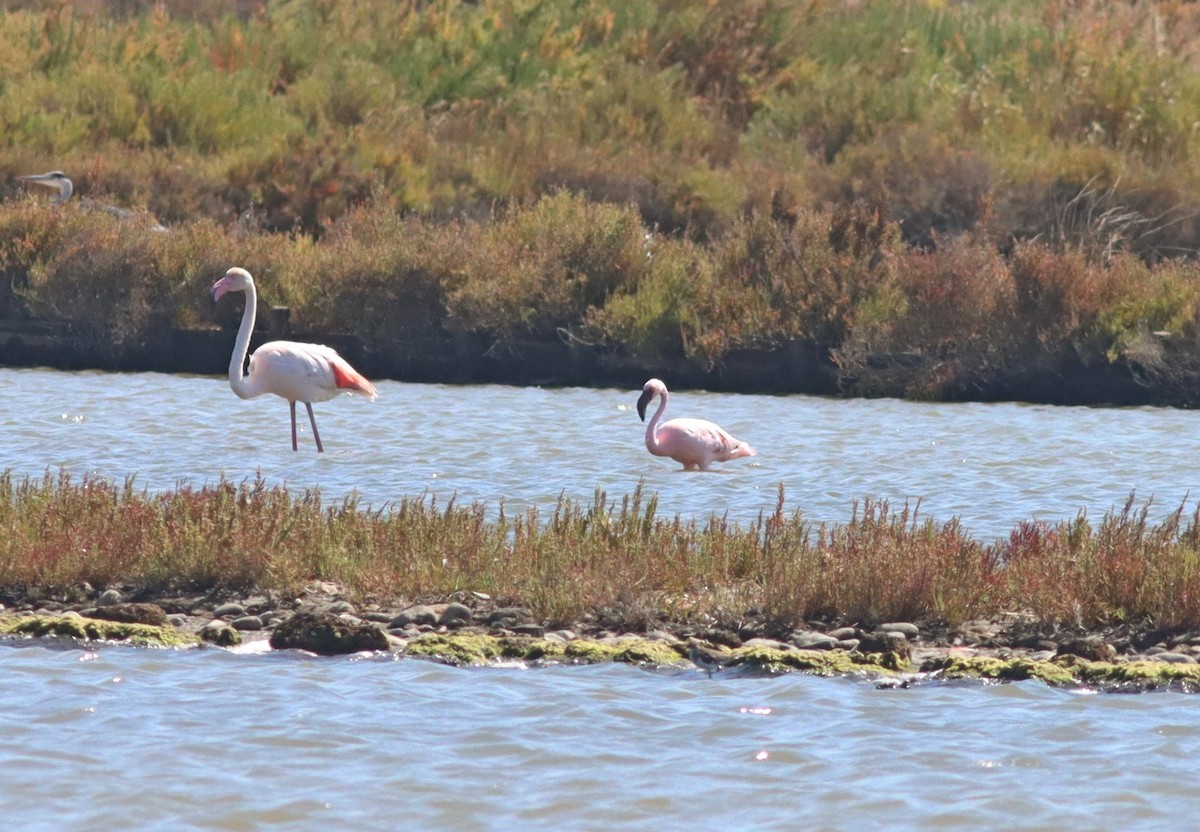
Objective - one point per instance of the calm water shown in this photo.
(992, 465)
(138, 739)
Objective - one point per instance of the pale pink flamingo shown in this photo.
(297, 372)
(694, 442)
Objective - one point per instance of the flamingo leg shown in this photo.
(292, 406)
(313, 421)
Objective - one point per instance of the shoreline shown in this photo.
(799, 367)
(469, 629)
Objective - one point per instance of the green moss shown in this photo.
(650, 652)
(589, 652)
(457, 649)
(817, 662)
(1011, 670)
(1141, 673)
(532, 649)
(92, 629)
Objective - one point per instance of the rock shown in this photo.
(1174, 658)
(257, 605)
(378, 617)
(108, 597)
(220, 633)
(910, 631)
(420, 614)
(843, 633)
(535, 630)
(247, 622)
(1092, 648)
(886, 642)
(770, 644)
(151, 614)
(229, 611)
(505, 616)
(848, 644)
(327, 635)
(455, 615)
(342, 608)
(177, 620)
(812, 640)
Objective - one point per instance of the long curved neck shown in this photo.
(237, 363)
(652, 425)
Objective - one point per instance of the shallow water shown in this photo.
(119, 738)
(991, 465)
(146, 739)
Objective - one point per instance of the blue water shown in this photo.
(121, 738)
(142, 739)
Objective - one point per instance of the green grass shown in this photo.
(609, 556)
(978, 187)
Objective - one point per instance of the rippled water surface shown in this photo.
(992, 465)
(127, 739)
(121, 738)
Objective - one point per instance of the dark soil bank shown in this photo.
(798, 367)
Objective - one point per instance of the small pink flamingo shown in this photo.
(297, 372)
(694, 442)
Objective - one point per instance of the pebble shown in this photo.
(843, 633)
(772, 644)
(909, 630)
(812, 640)
(1174, 658)
(108, 597)
(230, 610)
(246, 622)
(420, 614)
(455, 615)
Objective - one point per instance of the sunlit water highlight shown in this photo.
(140, 739)
(991, 465)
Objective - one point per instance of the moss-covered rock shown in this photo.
(92, 629)
(1011, 670)
(327, 635)
(459, 649)
(817, 662)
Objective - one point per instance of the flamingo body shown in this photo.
(297, 372)
(694, 443)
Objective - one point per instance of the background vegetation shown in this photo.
(940, 196)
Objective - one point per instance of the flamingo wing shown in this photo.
(699, 442)
(305, 372)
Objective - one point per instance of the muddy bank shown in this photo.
(798, 367)
(471, 629)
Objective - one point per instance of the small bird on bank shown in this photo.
(706, 658)
(695, 443)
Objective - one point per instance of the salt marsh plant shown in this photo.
(609, 557)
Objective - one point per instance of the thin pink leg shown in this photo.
(292, 405)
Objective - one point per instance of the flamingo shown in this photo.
(694, 442)
(297, 372)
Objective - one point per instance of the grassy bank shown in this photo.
(942, 198)
(610, 557)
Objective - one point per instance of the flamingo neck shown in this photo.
(237, 380)
(652, 425)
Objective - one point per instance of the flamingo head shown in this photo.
(650, 389)
(235, 280)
